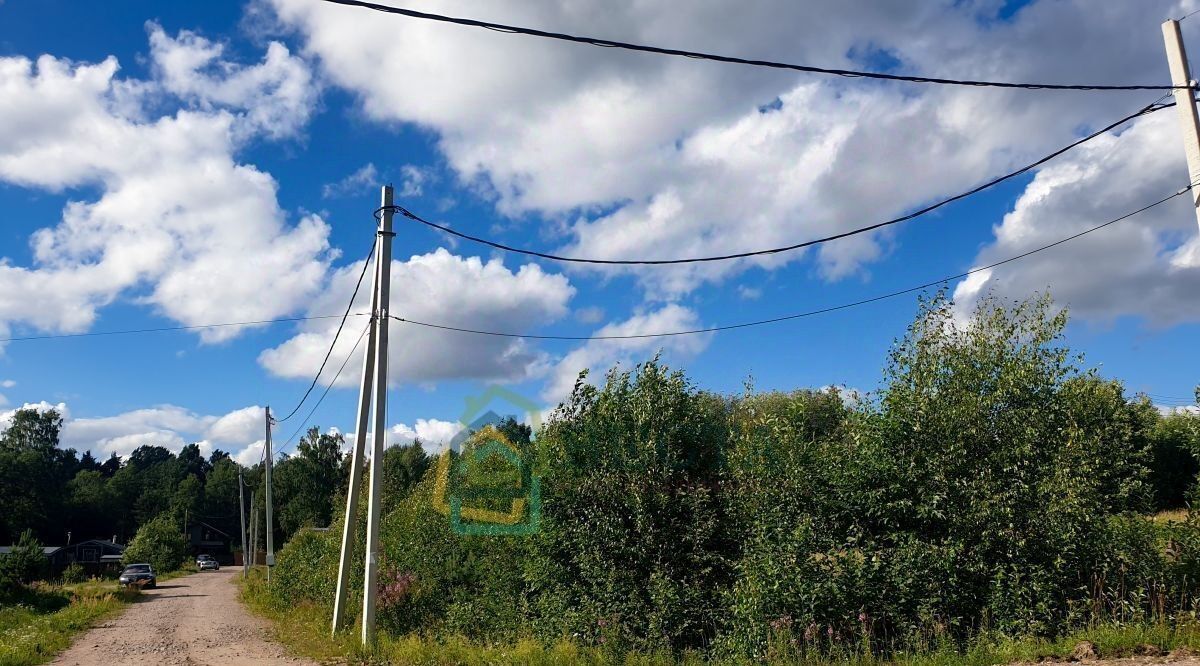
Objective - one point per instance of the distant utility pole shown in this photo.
(270, 524)
(1185, 104)
(374, 379)
(242, 517)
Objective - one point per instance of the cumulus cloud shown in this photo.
(434, 434)
(238, 427)
(442, 288)
(1148, 265)
(652, 156)
(275, 97)
(178, 221)
(251, 454)
(598, 356)
(42, 406)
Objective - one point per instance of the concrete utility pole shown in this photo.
(253, 530)
(1185, 104)
(270, 523)
(362, 424)
(242, 518)
(370, 580)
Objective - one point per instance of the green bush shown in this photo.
(74, 573)
(306, 568)
(633, 546)
(159, 543)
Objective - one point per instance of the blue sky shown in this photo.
(556, 147)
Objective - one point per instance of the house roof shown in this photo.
(215, 529)
(101, 542)
(46, 550)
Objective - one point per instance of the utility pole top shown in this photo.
(1185, 104)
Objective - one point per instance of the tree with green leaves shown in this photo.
(307, 482)
(25, 563)
(160, 543)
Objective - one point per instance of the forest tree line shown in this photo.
(58, 494)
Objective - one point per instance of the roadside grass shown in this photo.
(304, 630)
(40, 621)
(1170, 516)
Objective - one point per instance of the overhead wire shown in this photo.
(333, 343)
(1148, 109)
(698, 55)
(799, 315)
(308, 417)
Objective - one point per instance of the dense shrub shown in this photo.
(634, 541)
(159, 543)
(306, 568)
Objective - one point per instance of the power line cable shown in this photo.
(161, 329)
(326, 391)
(333, 343)
(850, 73)
(800, 315)
(1148, 109)
(731, 59)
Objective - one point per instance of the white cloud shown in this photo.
(275, 97)
(441, 288)
(692, 158)
(433, 433)
(598, 356)
(196, 235)
(360, 180)
(1147, 265)
(251, 454)
(238, 427)
(7, 383)
(42, 406)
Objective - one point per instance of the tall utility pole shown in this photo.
(270, 524)
(362, 424)
(253, 530)
(371, 578)
(1185, 104)
(242, 518)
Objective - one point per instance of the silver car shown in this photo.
(207, 562)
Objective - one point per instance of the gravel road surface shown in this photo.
(196, 619)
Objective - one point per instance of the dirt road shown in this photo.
(192, 620)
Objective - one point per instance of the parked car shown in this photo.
(141, 575)
(207, 562)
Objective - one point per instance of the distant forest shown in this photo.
(59, 494)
